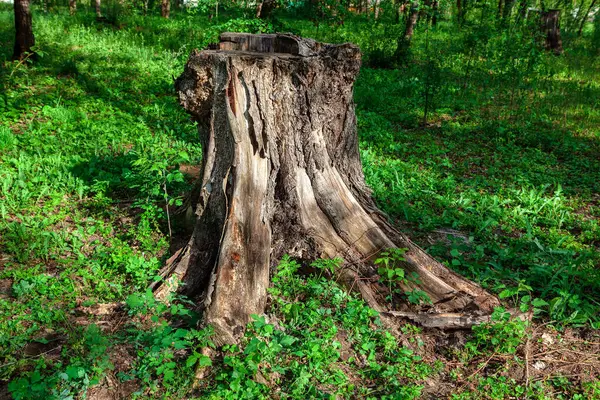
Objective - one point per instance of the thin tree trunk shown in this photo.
(24, 39)
(72, 7)
(585, 17)
(500, 6)
(165, 8)
(411, 22)
(281, 174)
(551, 28)
(434, 12)
(376, 7)
(98, 8)
(404, 41)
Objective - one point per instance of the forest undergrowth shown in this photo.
(481, 146)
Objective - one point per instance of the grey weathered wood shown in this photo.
(450, 320)
(282, 175)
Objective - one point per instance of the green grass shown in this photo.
(502, 183)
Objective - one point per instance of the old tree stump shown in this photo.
(281, 174)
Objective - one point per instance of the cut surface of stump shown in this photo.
(281, 174)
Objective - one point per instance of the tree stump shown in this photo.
(281, 174)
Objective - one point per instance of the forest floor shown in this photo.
(483, 148)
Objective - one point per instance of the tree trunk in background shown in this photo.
(265, 8)
(411, 22)
(434, 12)
(500, 4)
(72, 7)
(376, 9)
(404, 41)
(282, 174)
(98, 8)
(24, 39)
(551, 28)
(165, 8)
(585, 17)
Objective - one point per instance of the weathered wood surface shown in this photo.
(282, 175)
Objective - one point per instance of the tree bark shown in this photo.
(24, 39)
(281, 174)
(72, 7)
(551, 28)
(165, 8)
(404, 41)
(98, 4)
(411, 22)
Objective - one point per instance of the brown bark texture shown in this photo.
(24, 39)
(411, 22)
(165, 8)
(551, 28)
(72, 7)
(98, 6)
(281, 174)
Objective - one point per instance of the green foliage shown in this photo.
(299, 355)
(88, 364)
(502, 335)
(481, 144)
(392, 273)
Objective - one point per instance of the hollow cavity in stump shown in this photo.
(281, 174)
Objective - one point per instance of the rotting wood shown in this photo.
(281, 174)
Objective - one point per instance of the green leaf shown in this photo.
(204, 361)
(539, 302)
(192, 360)
(287, 341)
